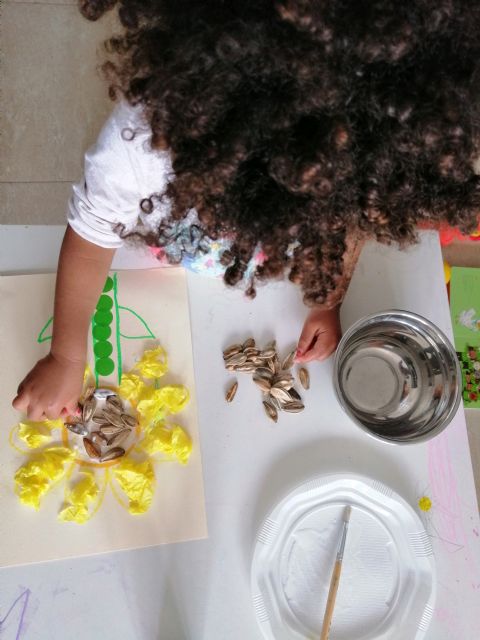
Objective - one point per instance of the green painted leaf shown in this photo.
(138, 328)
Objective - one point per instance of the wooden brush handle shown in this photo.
(332, 594)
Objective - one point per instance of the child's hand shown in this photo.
(51, 389)
(320, 336)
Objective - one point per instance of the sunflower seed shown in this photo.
(272, 376)
(280, 394)
(232, 350)
(128, 420)
(248, 367)
(271, 365)
(236, 360)
(267, 353)
(288, 362)
(117, 452)
(293, 407)
(304, 378)
(295, 395)
(262, 382)
(270, 410)
(264, 372)
(283, 383)
(114, 403)
(89, 392)
(276, 402)
(277, 364)
(103, 394)
(113, 418)
(98, 438)
(99, 419)
(92, 450)
(107, 425)
(88, 409)
(119, 438)
(110, 430)
(77, 427)
(230, 395)
(283, 376)
(249, 343)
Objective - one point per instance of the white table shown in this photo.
(200, 590)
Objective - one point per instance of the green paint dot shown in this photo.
(108, 285)
(101, 332)
(102, 349)
(104, 366)
(103, 318)
(104, 303)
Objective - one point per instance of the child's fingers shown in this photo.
(310, 353)
(20, 402)
(35, 412)
(53, 412)
(320, 349)
(305, 357)
(70, 409)
(305, 341)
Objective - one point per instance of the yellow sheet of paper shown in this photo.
(177, 512)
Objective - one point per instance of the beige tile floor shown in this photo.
(53, 105)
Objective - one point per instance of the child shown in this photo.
(255, 138)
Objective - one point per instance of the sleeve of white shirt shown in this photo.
(119, 173)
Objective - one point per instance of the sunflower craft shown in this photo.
(120, 433)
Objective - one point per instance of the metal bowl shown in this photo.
(398, 377)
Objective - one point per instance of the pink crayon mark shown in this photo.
(445, 494)
(24, 598)
(446, 617)
(475, 532)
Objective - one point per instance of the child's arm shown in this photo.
(322, 331)
(54, 385)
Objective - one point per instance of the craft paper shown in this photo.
(140, 342)
(465, 312)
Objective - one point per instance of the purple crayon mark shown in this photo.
(25, 596)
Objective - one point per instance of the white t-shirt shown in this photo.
(119, 173)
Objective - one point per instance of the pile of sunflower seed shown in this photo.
(104, 430)
(272, 375)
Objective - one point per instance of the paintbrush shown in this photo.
(335, 580)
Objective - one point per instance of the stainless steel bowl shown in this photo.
(398, 377)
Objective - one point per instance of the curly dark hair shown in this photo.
(305, 121)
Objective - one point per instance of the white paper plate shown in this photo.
(387, 587)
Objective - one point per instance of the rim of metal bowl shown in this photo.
(429, 328)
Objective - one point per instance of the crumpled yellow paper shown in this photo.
(47, 466)
(36, 434)
(153, 363)
(171, 440)
(34, 479)
(78, 499)
(131, 387)
(156, 404)
(137, 480)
